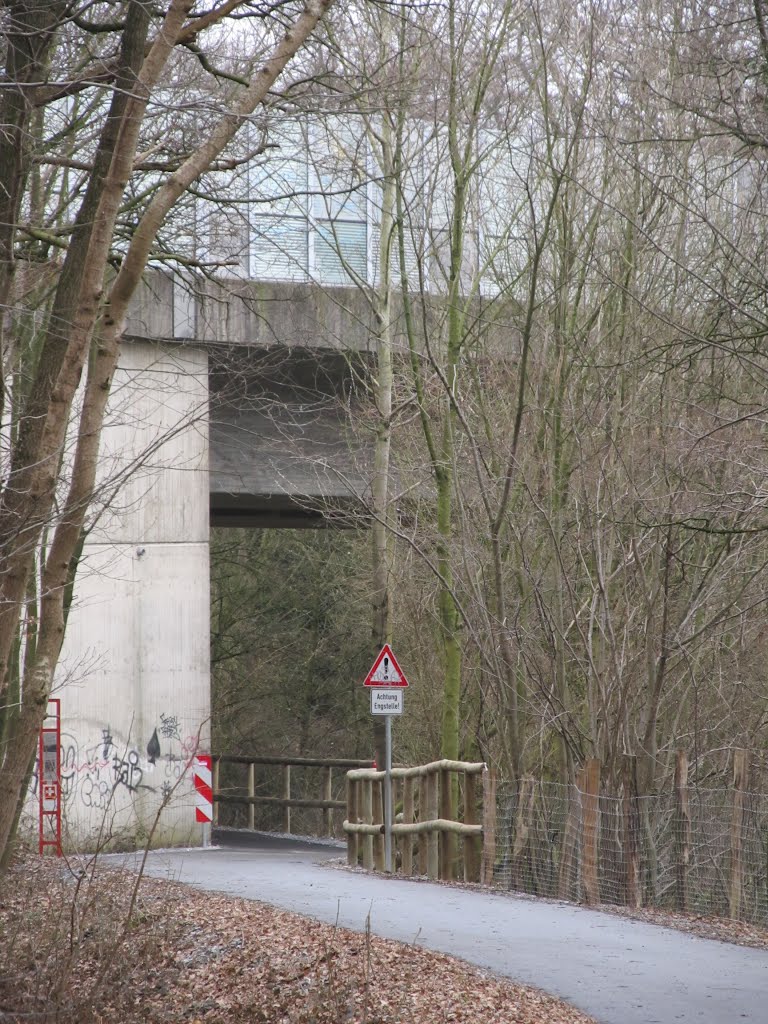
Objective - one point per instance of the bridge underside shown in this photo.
(283, 451)
(199, 421)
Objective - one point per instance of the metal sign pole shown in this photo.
(387, 682)
(388, 797)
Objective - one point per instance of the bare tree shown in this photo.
(93, 283)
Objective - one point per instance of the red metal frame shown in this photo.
(49, 778)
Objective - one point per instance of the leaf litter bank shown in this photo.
(76, 947)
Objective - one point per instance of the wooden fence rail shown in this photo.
(424, 818)
(286, 800)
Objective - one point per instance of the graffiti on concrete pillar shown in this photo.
(93, 774)
(153, 748)
(128, 771)
(106, 768)
(169, 727)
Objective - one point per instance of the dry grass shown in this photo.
(90, 947)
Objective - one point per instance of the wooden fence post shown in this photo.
(471, 843)
(406, 842)
(378, 819)
(433, 857)
(631, 830)
(287, 796)
(682, 830)
(740, 772)
(423, 815)
(569, 844)
(523, 818)
(368, 819)
(251, 794)
(216, 780)
(447, 840)
(328, 795)
(352, 818)
(591, 803)
(489, 825)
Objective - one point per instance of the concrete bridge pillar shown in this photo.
(134, 677)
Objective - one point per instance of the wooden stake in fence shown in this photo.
(682, 830)
(740, 772)
(569, 845)
(591, 803)
(523, 819)
(251, 794)
(471, 843)
(433, 860)
(216, 790)
(378, 819)
(406, 842)
(631, 818)
(327, 795)
(489, 825)
(353, 813)
(287, 796)
(423, 815)
(447, 840)
(368, 820)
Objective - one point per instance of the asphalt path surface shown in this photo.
(617, 970)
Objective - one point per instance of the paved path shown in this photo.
(619, 971)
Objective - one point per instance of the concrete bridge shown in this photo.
(284, 364)
(231, 406)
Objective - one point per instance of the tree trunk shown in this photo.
(29, 33)
(35, 464)
(36, 456)
(381, 534)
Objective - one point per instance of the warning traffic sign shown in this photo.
(385, 670)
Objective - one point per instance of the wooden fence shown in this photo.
(701, 851)
(425, 819)
(632, 832)
(684, 847)
(244, 792)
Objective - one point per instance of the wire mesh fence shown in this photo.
(704, 851)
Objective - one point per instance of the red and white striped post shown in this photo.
(202, 773)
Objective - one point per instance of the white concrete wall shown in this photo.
(134, 676)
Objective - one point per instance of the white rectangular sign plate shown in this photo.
(386, 700)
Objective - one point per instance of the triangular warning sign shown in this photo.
(385, 670)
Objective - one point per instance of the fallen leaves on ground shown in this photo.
(76, 947)
(721, 929)
(83, 946)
